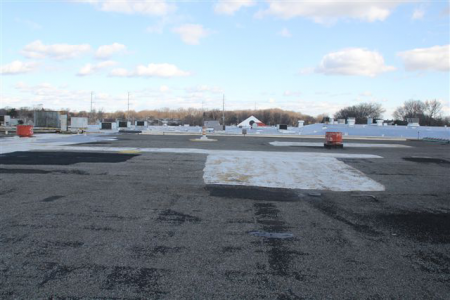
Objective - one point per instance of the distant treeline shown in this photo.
(191, 116)
(429, 113)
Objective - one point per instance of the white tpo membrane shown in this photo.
(298, 171)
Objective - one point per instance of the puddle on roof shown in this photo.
(418, 159)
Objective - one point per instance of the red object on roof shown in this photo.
(260, 124)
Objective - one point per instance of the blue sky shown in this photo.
(313, 57)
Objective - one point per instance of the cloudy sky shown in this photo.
(309, 56)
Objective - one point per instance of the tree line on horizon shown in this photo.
(191, 116)
(429, 113)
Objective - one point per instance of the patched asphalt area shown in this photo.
(133, 226)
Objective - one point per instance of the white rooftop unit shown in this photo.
(141, 123)
(79, 122)
(123, 124)
(108, 125)
(413, 121)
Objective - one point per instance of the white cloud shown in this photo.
(157, 28)
(53, 96)
(291, 94)
(8, 101)
(170, 20)
(227, 7)
(37, 49)
(418, 14)
(307, 71)
(120, 72)
(329, 11)
(192, 33)
(446, 11)
(445, 106)
(366, 94)
(144, 7)
(285, 33)
(30, 24)
(106, 51)
(205, 89)
(63, 96)
(89, 69)
(436, 58)
(152, 70)
(18, 67)
(353, 61)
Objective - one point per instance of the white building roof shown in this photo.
(246, 122)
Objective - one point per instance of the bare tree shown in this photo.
(192, 116)
(361, 112)
(429, 112)
(433, 109)
(410, 109)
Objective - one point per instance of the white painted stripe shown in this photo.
(346, 145)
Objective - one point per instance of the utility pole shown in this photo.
(92, 112)
(128, 111)
(203, 115)
(223, 112)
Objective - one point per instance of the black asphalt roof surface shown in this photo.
(86, 225)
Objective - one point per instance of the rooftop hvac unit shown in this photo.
(123, 124)
(106, 125)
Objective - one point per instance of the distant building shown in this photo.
(5, 120)
(47, 119)
(213, 124)
(251, 122)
